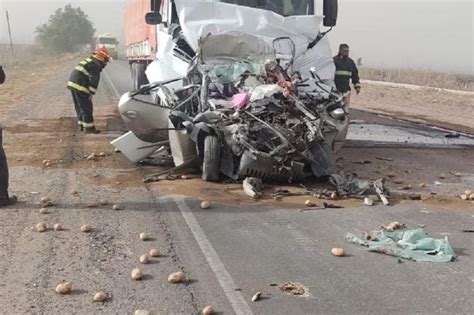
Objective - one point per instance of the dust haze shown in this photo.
(424, 34)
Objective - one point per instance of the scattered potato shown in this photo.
(57, 227)
(100, 297)
(137, 274)
(471, 197)
(144, 237)
(101, 154)
(256, 296)
(336, 251)
(41, 227)
(86, 228)
(103, 202)
(92, 205)
(47, 164)
(205, 204)
(334, 196)
(468, 192)
(176, 277)
(442, 176)
(144, 259)
(43, 210)
(64, 288)
(116, 207)
(457, 174)
(208, 310)
(46, 161)
(142, 312)
(154, 253)
(91, 157)
(464, 197)
(422, 185)
(45, 199)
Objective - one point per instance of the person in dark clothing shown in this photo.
(5, 199)
(83, 84)
(346, 70)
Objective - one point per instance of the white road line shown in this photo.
(111, 85)
(238, 303)
(236, 300)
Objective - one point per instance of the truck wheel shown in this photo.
(138, 75)
(212, 159)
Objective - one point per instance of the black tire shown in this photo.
(212, 159)
(138, 75)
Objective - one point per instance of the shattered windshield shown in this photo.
(282, 7)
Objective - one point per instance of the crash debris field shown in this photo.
(267, 247)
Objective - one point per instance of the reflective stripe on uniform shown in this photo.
(88, 125)
(80, 123)
(83, 70)
(343, 72)
(85, 61)
(93, 91)
(78, 87)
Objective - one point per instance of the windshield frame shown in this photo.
(265, 5)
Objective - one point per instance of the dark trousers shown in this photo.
(84, 108)
(3, 171)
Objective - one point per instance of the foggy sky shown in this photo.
(427, 34)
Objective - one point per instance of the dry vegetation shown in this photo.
(420, 77)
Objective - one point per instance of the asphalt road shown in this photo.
(228, 252)
(250, 248)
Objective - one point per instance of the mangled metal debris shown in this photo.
(243, 112)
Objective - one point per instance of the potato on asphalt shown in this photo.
(64, 288)
(137, 274)
(176, 277)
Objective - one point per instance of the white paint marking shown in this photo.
(111, 85)
(226, 282)
(236, 300)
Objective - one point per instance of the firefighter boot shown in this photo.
(8, 201)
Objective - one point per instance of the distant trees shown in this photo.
(66, 30)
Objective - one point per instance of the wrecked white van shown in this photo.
(244, 87)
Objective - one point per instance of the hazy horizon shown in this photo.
(424, 34)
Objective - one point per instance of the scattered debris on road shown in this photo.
(64, 288)
(144, 259)
(41, 227)
(205, 204)
(144, 237)
(338, 252)
(176, 277)
(208, 310)
(154, 253)
(43, 210)
(57, 227)
(142, 312)
(408, 244)
(100, 297)
(256, 297)
(393, 226)
(136, 274)
(86, 228)
(293, 288)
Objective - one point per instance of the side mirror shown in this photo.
(153, 18)
(330, 13)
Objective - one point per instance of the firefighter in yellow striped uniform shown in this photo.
(83, 84)
(346, 71)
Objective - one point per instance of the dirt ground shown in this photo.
(440, 109)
